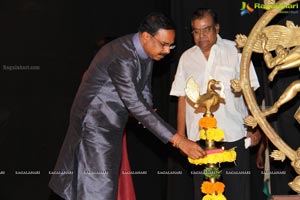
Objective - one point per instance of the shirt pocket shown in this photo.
(225, 74)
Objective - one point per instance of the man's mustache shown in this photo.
(163, 54)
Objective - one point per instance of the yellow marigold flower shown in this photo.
(202, 134)
(225, 156)
(214, 197)
(215, 134)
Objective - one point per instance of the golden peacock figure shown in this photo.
(207, 100)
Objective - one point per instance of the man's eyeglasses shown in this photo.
(204, 31)
(164, 45)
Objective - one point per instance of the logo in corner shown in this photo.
(246, 8)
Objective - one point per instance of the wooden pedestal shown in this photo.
(285, 197)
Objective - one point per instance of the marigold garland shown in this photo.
(209, 131)
(207, 122)
(212, 188)
(214, 197)
(225, 156)
(215, 134)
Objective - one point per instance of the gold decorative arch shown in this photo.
(288, 36)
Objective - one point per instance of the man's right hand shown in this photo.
(192, 149)
(188, 147)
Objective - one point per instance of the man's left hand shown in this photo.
(255, 137)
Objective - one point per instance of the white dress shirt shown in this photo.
(223, 65)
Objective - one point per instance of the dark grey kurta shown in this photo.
(117, 82)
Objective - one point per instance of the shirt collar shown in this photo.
(138, 46)
(219, 42)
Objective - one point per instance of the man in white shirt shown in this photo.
(212, 56)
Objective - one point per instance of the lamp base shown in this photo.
(285, 197)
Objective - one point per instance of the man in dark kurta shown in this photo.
(118, 82)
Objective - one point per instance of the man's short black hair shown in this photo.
(203, 12)
(155, 21)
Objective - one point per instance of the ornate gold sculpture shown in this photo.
(209, 99)
(284, 59)
(275, 33)
(264, 39)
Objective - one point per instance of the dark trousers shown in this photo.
(235, 175)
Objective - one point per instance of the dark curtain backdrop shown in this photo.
(45, 48)
(53, 42)
(232, 23)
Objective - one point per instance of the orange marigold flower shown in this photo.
(211, 188)
(208, 122)
(219, 187)
(207, 188)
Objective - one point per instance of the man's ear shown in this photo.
(217, 26)
(145, 36)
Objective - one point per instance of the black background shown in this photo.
(58, 38)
